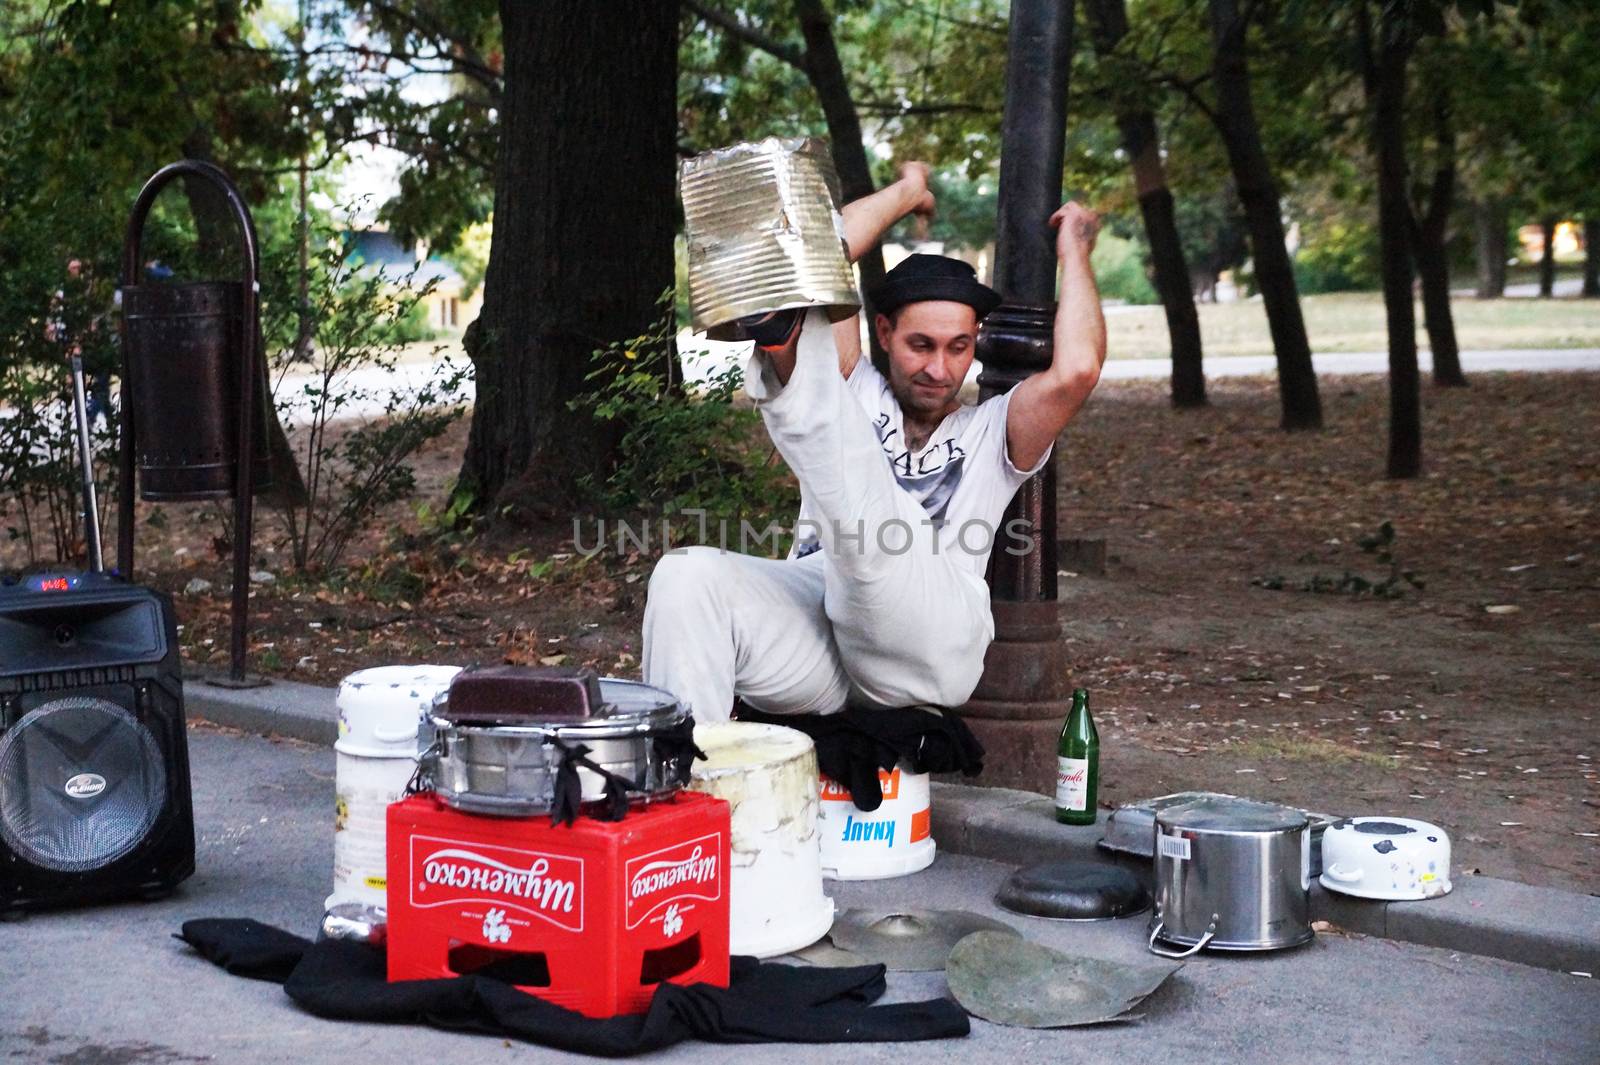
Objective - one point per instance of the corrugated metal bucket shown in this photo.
(764, 233)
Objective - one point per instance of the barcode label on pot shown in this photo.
(1173, 847)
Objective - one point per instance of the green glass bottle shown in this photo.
(1077, 764)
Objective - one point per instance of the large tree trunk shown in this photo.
(1109, 24)
(1591, 258)
(583, 222)
(1489, 219)
(1387, 86)
(826, 74)
(1547, 260)
(1258, 194)
(1433, 258)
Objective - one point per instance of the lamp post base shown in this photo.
(1023, 698)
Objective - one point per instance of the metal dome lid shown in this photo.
(1227, 814)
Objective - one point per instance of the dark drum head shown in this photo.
(1074, 891)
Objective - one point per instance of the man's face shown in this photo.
(930, 348)
(74, 267)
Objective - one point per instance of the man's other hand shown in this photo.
(1076, 230)
(915, 176)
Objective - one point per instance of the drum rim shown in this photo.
(594, 728)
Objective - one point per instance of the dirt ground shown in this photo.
(1470, 701)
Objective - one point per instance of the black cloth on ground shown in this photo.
(854, 744)
(765, 1002)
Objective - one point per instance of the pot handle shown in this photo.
(1342, 875)
(1211, 930)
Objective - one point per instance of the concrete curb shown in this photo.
(282, 708)
(1542, 927)
(1534, 926)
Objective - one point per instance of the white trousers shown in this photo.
(855, 620)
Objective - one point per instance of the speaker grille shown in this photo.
(82, 783)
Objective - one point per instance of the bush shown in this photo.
(1337, 257)
(1119, 269)
(351, 438)
(42, 315)
(682, 451)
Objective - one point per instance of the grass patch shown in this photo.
(1312, 750)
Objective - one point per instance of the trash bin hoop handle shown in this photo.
(132, 244)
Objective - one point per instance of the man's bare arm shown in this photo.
(865, 222)
(1043, 404)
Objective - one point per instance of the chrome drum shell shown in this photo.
(510, 770)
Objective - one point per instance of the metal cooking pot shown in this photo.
(510, 769)
(1231, 874)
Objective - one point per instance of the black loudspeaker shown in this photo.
(94, 761)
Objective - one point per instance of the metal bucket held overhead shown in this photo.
(185, 344)
(764, 233)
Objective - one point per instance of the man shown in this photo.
(70, 324)
(883, 601)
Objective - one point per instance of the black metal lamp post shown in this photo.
(194, 392)
(1025, 691)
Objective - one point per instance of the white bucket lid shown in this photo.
(380, 708)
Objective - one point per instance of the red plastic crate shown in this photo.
(590, 917)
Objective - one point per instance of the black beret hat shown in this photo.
(933, 277)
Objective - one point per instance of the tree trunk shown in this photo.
(1547, 261)
(826, 74)
(1591, 258)
(1434, 269)
(1429, 233)
(1166, 257)
(1490, 221)
(1387, 86)
(1108, 21)
(1258, 194)
(583, 221)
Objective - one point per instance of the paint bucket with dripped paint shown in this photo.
(893, 840)
(375, 755)
(768, 775)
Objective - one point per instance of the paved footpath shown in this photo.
(109, 985)
(1337, 363)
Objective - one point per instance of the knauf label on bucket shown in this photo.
(893, 840)
(375, 755)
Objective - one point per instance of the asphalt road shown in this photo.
(109, 986)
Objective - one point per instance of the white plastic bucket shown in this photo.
(376, 753)
(893, 840)
(768, 775)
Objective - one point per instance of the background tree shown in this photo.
(1428, 213)
(1235, 119)
(1385, 54)
(584, 211)
(1108, 24)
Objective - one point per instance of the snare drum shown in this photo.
(768, 775)
(492, 767)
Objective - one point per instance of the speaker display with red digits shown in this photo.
(94, 762)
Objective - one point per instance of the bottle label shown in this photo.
(1072, 783)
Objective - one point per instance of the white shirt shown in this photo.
(962, 476)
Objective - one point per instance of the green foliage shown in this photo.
(1119, 269)
(1340, 257)
(682, 451)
